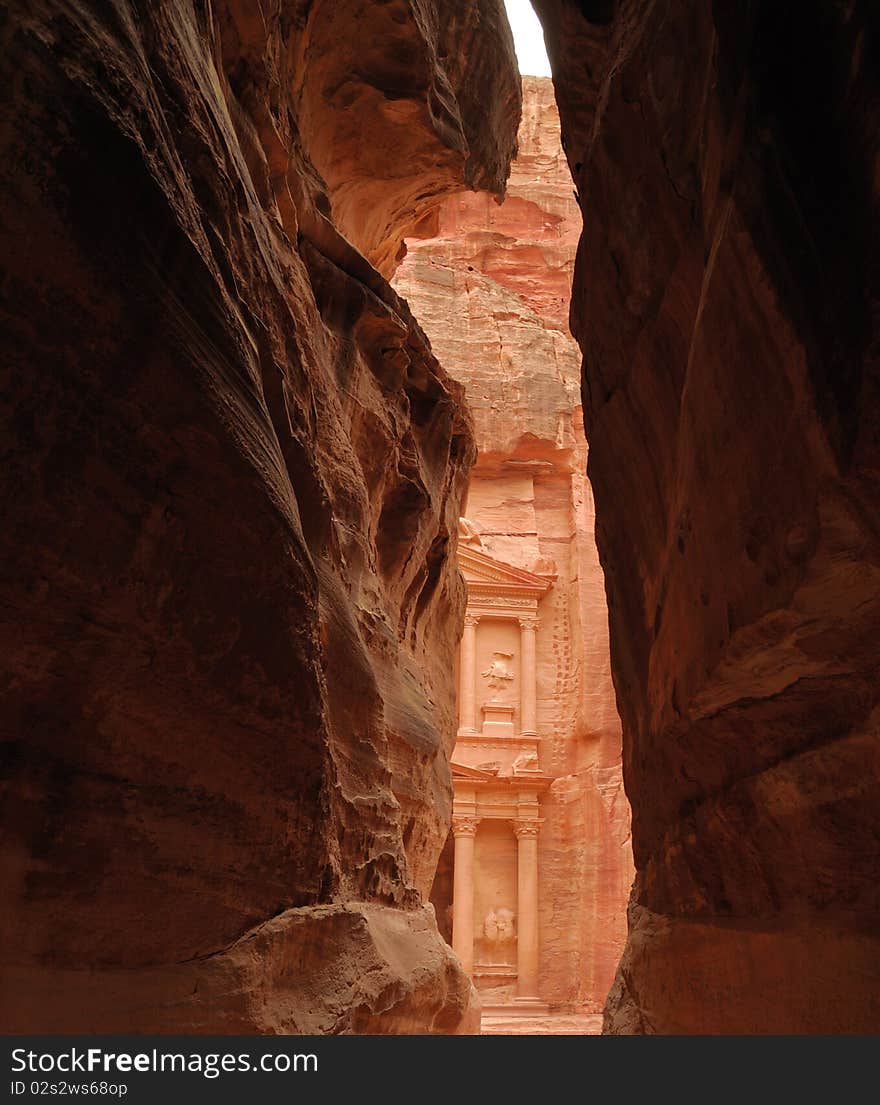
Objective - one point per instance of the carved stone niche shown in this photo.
(498, 712)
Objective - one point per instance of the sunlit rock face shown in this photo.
(726, 302)
(491, 290)
(232, 478)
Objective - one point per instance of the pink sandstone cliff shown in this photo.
(491, 291)
(231, 481)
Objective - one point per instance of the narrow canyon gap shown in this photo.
(539, 748)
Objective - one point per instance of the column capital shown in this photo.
(471, 619)
(528, 621)
(526, 828)
(464, 824)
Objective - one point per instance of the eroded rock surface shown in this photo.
(726, 302)
(294, 974)
(434, 80)
(232, 472)
(491, 290)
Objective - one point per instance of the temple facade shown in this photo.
(498, 780)
(536, 842)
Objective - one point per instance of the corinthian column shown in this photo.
(467, 693)
(527, 908)
(529, 686)
(464, 829)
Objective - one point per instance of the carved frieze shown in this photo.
(512, 601)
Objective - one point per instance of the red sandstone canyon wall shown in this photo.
(232, 477)
(726, 302)
(491, 289)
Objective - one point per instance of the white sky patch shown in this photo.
(528, 38)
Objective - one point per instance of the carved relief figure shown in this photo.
(498, 674)
(526, 763)
(498, 934)
(506, 927)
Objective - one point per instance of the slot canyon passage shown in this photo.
(538, 753)
(234, 467)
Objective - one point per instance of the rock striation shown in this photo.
(726, 302)
(492, 291)
(232, 473)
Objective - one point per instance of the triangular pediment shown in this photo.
(471, 774)
(480, 568)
